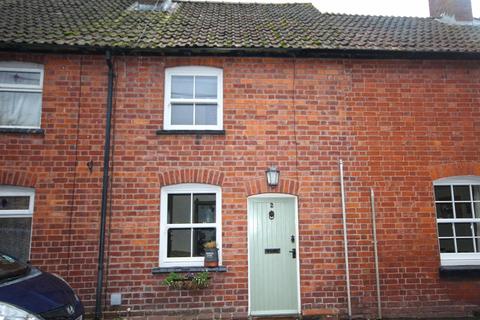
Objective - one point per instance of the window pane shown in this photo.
(15, 237)
(444, 210)
(20, 108)
(442, 193)
(206, 87)
(476, 229)
(204, 208)
(465, 245)
(445, 230)
(179, 242)
(447, 245)
(206, 114)
(463, 230)
(476, 205)
(19, 78)
(182, 87)
(200, 237)
(476, 192)
(182, 114)
(179, 207)
(14, 203)
(463, 210)
(477, 242)
(461, 193)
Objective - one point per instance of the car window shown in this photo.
(11, 268)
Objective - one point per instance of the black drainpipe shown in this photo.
(106, 163)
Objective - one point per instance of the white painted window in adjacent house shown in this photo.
(21, 86)
(193, 98)
(190, 217)
(457, 204)
(16, 210)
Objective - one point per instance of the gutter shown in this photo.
(347, 53)
(106, 165)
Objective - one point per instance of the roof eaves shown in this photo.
(353, 53)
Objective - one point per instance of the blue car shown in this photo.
(27, 293)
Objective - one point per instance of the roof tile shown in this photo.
(113, 23)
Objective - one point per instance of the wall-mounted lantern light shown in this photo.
(273, 176)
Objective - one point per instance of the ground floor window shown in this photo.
(457, 204)
(190, 219)
(16, 210)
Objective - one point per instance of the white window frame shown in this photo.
(460, 258)
(15, 66)
(196, 188)
(6, 190)
(18, 192)
(193, 71)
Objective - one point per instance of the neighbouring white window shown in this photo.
(457, 204)
(16, 210)
(190, 217)
(193, 98)
(21, 86)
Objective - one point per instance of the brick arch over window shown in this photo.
(17, 178)
(192, 175)
(455, 169)
(257, 186)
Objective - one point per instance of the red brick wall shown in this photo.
(397, 125)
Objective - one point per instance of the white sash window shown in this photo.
(21, 86)
(457, 205)
(193, 98)
(190, 217)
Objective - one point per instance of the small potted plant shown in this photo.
(211, 254)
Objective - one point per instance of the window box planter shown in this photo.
(190, 281)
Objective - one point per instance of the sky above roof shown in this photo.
(409, 8)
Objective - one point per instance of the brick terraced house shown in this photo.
(134, 133)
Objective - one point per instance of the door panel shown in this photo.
(273, 268)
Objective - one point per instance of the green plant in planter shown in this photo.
(172, 278)
(201, 280)
(192, 281)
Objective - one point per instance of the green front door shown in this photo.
(272, 239)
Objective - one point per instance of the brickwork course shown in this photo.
(398, 124)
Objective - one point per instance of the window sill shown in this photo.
(460, 272)
(23, 130)
(162, 132)
(160, 270)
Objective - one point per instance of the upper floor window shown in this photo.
(21, 86)
(190, 218)
(193, 98)
(16, 210)
(457, 204)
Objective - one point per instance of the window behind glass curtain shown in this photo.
(20, 94)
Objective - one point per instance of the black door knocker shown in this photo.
(271, 215)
